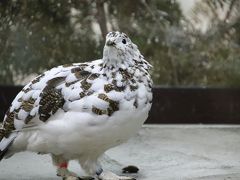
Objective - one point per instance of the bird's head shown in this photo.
(119, 49)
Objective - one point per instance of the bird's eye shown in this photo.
(124, 41)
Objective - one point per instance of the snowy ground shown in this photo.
(165, 152)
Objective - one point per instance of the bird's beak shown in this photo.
(110, 43)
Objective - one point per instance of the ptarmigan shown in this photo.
(78, 111)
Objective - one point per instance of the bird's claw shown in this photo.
(86, 178)
(70, 178)
(78, 178)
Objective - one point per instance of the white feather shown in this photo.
(81, 129)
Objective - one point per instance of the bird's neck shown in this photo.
(115, 64)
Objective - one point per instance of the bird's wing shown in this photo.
(44, 96)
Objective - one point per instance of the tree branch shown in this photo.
(101, 17)
(228, 14)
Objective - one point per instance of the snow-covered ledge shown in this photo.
(161, 152)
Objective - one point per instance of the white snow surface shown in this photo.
(162, 152)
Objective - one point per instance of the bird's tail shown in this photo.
(5, 143)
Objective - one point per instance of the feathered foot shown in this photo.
(111, 176)
(64, 172)
(71, 178)
(77, 178)
(62, 168)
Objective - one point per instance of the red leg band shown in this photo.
(63, 165)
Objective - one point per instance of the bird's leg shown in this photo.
(107, 175)
(62, 167)
(90, 166)
(93, 167)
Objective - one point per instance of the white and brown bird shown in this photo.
(78, 111)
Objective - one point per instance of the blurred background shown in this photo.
(190, 43)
